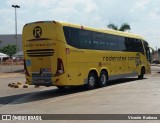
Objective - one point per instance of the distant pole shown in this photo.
(1, 63)
(157, 54)
(16, 6)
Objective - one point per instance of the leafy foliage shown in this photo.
(123, 27)
(112, 26)
(9, 50)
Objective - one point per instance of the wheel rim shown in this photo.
(103, 79)
(91, 81)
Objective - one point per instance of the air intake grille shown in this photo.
(40, 52)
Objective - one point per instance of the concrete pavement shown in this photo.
(124, 96)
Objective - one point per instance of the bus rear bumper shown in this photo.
(41, 81)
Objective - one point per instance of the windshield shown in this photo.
(148, 54)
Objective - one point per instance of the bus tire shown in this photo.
(92, 79)
(103, 79)
(141, 76)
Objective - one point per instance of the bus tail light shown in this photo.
(60, 67)
(25, 69)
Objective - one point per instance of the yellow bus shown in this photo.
(63, 54)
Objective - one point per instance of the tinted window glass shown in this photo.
(129, 44)
(85, 38)
(111, 41)
(138, 47)
(67, 34)
(72, 36)
(148, 54)
(121, 44)
(99, 41)
(134, 45)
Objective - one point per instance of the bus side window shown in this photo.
(138, 47)
(102, 41)
(85, 38)
(99, 41)
(95, 41)
(121, 43)
(72, 36)
(128, 44)
(66, 34)
(112, 42)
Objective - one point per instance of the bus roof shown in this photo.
(108, 31)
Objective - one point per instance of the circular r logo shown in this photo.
(37, 32)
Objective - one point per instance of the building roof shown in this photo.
(7, 39)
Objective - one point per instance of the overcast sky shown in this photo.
(142, 15)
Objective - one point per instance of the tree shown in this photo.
(124, 27)
(112, 26)
(9, 50)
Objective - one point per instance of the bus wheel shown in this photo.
(141, 76)
(103, 79)
(92, 79)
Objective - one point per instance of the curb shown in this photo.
(11, 74)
